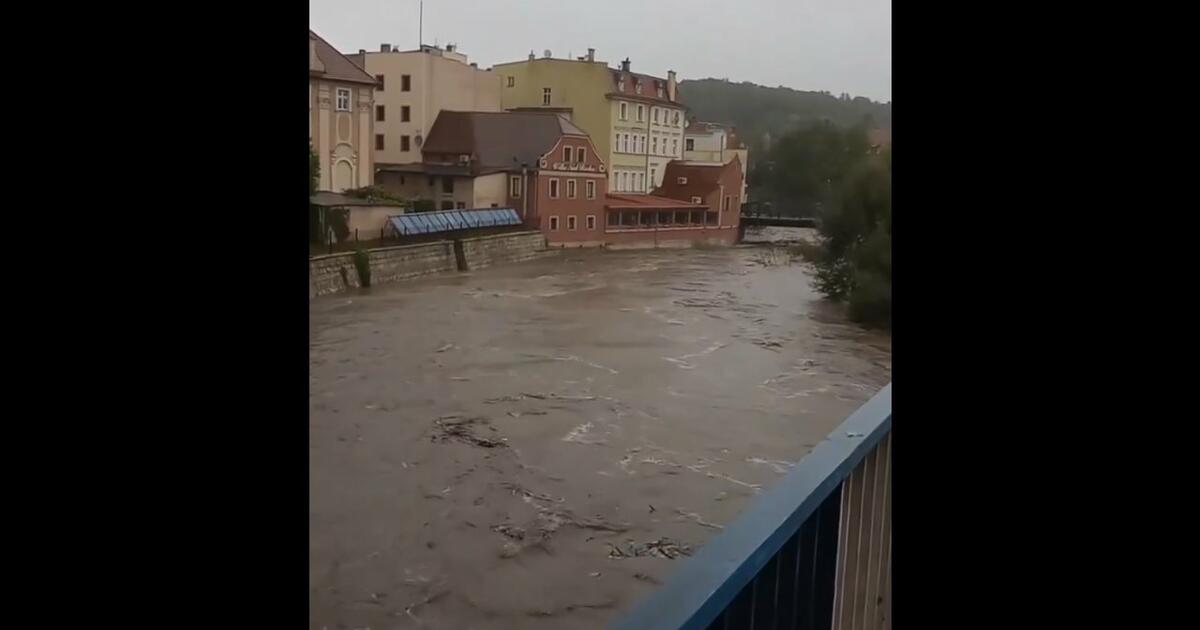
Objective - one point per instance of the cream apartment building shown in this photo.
(413, 86)
(340, 101)
(635, 120)
(714, 143)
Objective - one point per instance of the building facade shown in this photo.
(635, 120)
(539, 164)
(414, 86)
(340, 125)
(715, 143)
(713, 185)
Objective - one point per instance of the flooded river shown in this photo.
(539, 445)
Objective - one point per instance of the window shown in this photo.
(627, 143)
(689, 144)
(637, 88)
(589, 188)
(460, 205)
(654, 110)
(405, 113)
(545, 96)
(581, 155)
(378, 142)
(512, 81)
(695, 199)
(406, 83)
(514, 187)
(674, 147)
(567, 154)
(617, 143)
(379, 113)
(641, 182)
(624, 113)
(379, 80)
(404, 143)
(654, 145)
(343, 100)
(571, 189)
(553, 222)
(660, 95)
(676, 119)
(664, 218)
(448, 185)
(495, 206)
(681, 180)
(641, 113)
(571, 223)
(591, 220)
(641, 144)
(621, 85)
(725, 207)
(624, 181)
(554, 188)
(653, 176)
(447, 205)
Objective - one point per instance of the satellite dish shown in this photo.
(546, 53)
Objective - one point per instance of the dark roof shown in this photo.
(420, 168)
(702, 177)
(647, 202)
(498, 139)
(337, 67)
(328, 199)
(650, 85)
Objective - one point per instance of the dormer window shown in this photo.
(637, 87)
(681, 180)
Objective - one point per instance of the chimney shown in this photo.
(671, 84)
(591, 54)
(385, 48)
(449, 47)
(625, 65)
(531, 56)
(362, 51)
(474, 64)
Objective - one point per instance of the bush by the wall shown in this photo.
(362, 264)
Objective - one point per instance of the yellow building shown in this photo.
(635, 120)
(339, 117)
(414, 86)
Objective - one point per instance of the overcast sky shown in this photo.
(832, 45)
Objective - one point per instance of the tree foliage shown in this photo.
(853, 256)
(314, 171)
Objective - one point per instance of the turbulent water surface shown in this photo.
(539, 445)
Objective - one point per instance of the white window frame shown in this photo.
(553, 189)
(349, 99)
(641, 113)
(674, 146)
(572, 189)
(567, 153)
(591, 222)
(626, 143)
(654, 114)
(514, 186)
(696, 200)
(637, 87)
(580, 155)
(589, 189)
(547, 95)
(572, 223)
(692, 142)
(624, 111)
(512, 81)
(660, 91)
(654, 145)
(653, 174)
(554, 223)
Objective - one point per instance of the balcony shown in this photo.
(812, 553)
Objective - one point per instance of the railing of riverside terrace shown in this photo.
(813, 553)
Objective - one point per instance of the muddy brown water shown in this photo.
(540, 445)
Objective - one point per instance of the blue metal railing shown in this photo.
(798, 558)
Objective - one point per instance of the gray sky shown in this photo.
(833, 45)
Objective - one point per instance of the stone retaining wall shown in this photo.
(334, 273)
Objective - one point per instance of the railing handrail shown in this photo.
(706, 583)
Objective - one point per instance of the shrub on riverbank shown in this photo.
(853, 255)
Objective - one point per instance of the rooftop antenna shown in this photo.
(421, 26)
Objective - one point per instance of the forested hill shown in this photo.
(755, 109)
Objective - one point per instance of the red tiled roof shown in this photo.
(649, 83)
(337, 66)
(646, 202)
(702, 177)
